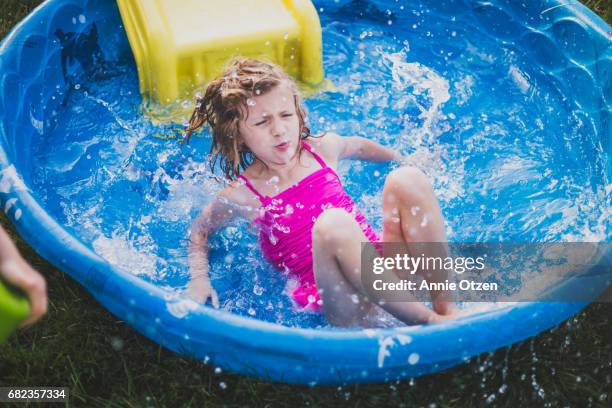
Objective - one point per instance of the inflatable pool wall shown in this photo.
(40, 63)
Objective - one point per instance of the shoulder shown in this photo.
(330, 146)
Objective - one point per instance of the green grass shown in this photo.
(106, 363)
(601, 7)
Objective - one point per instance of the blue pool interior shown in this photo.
(507, 110)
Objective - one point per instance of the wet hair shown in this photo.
(224, 104)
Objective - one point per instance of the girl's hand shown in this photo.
(200, 290)
(421, 158)
(398, 158)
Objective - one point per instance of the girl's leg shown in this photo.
(412, 215)
(336, 249)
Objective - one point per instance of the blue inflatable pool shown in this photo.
(514, 96)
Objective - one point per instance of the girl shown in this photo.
(284, 180)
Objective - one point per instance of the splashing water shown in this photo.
(510, 157)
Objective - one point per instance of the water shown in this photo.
(510, 157)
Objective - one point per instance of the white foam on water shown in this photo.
(121, 253)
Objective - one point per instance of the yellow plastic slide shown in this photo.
(179, 45)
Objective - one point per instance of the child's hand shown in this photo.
(404, 160)
(421, 158)
(19, 273)
(200, 290)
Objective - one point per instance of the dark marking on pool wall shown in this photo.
(83, 50)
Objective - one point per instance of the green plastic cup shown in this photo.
(14, 308)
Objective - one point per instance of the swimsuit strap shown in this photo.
(250, 186)
(316, 156)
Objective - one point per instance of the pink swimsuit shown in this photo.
(287, 222)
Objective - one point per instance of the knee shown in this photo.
(408, 182)
(333, 224)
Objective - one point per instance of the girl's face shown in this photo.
(271, 129)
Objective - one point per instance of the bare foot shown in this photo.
(439, 318)
(444, 308)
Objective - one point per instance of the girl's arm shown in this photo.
(360, 148)
(212, 218)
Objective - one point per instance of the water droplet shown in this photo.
(311, 299)
(251, 102)
(181, 308)
(355, 298)
(222, 385)
(376, 173)
(413, 358)
(117, 344)
(218, 370)
(424, 221)
(77, 86)
(414, 210)
(251, 311)
(82, 19)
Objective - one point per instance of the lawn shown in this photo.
(106, 363)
